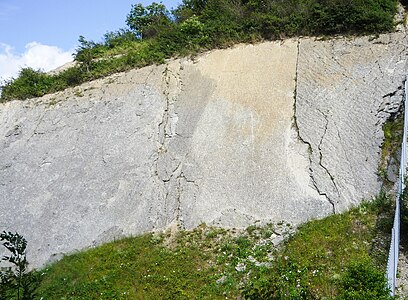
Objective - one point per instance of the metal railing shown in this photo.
(395, 240)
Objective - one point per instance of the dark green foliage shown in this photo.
(6, 283)
(155, 34)
(362, 280)
(382, 203)
(286, 281)
(15, 280)
(188, 9)
(34, 83)
(86, 53)
(30, 83)
(119, 38)
(70, 77)
(148, 21)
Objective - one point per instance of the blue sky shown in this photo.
(43, 34)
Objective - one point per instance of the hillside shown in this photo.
(269, 132)
(211, 133)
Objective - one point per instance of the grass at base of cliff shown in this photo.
(213, 263)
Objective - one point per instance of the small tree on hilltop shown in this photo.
(85, 53)
(147, 22)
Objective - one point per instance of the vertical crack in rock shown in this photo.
(295, 122)
(321, 155)
(179, 191)
(35, 132)
(377, 62)
(148, 76)
(167, 169)
(309, 145)
(167, 126)
(181, 180)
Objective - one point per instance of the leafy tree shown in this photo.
(188, 9)
(85, 53)
(148, 21)
(16, 282)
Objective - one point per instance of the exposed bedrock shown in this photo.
(276, 131)
(346, 90)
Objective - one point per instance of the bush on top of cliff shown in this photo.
(154, 34)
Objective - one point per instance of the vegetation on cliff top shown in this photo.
(154, 34)
(340, 257)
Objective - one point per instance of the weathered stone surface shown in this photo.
(211, 140)
(72, 172)
(346, 90)
(252, 165)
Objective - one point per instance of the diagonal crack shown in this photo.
(393, 93)
(321, 154)
(309, 145)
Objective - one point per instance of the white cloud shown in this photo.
(36, 56)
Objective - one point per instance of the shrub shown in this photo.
(70, 77)
(287, 281)
(362, 280)
(119, 38)
(29, 83)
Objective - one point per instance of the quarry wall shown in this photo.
(288, 130)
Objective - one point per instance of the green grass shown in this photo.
(314, 260)
(393, 131)
(212, 263)
(134, 268)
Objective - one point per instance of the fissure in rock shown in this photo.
(309, 144)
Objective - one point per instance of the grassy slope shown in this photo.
(209, 263)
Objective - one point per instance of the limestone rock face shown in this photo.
(277, 131)
(346, 90)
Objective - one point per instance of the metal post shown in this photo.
(392, 265)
